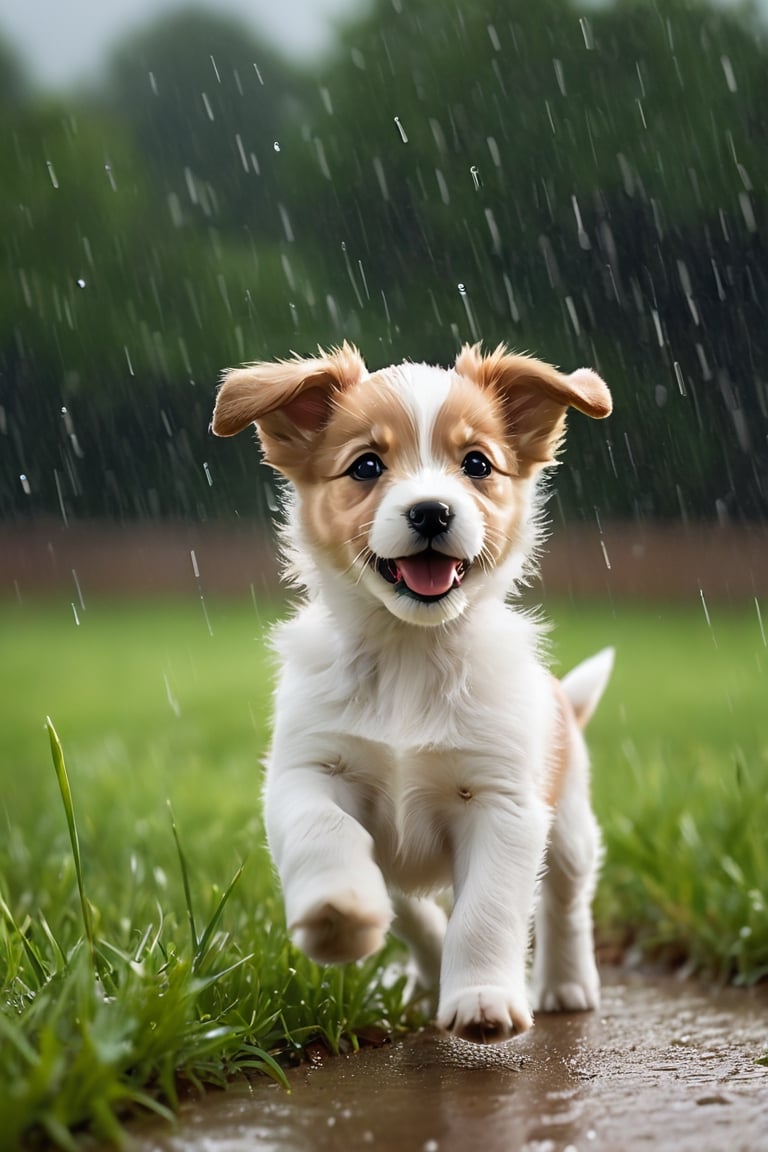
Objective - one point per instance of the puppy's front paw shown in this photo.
(485, 1014)
(569, 996)
(341, 928)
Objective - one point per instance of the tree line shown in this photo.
(588, 184)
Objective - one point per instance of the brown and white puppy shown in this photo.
(419, 742)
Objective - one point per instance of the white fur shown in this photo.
(411, 752)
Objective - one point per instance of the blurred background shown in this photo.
(184, 188)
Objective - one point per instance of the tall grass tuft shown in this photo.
(100, 1021)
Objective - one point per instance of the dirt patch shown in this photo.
(662, 1066)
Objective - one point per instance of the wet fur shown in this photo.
(421, 744)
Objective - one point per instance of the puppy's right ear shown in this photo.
(288, 400)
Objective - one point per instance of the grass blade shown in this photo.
(57, 754)
(205, 939)
(184, 880)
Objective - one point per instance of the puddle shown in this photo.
(661, 1066)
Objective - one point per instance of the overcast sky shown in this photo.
(64, 41)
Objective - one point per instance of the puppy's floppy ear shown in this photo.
(289, 400)
(535, 397)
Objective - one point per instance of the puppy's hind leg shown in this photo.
(420, 923)
(565, 977)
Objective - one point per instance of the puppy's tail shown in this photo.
(585, 684)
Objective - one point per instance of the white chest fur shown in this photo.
(413, 725)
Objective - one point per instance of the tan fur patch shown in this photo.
(471, 419)
(338, 511)
(562, 745)
(535, 396)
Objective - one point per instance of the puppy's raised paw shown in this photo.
(340, 929)
(485, 1014)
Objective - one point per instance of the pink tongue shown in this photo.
(428, 574)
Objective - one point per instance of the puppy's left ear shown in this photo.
(535, 397)
(289, 401)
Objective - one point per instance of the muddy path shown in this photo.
(662, 1066)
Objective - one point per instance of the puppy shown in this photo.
(419, 742)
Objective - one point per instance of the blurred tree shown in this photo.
(207, 103)
(110, 317)
(577, 184)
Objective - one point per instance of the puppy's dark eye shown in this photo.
(366, 467)
(476, 466)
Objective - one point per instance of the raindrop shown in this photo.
(285, 220)
(475, 174)
(514, 311)
(195, 568)
(401, 130)
(60, 494)
(706, 612)
(110, 177)
(728, 72)
(208, 476)
(215, 69)
(207, 105)
(153, 83)
(256, 70)
(493, 36)
(362, 277)
(445, 195)
(241, 151)
(604, 551)
(74, 613)
(378, 168)
(559, 75)
(760, 622)
(78, 589)
(25, 484)
(469, 312)
(276, 146)
(747, 211)
(581, 231)
(172, 701)
(52, 174)
(321, 158)
(325, 96)
(351, 275)
(80, 282)
(493, 228)
(586, 31)
(571, 307)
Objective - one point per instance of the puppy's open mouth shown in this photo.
(427, 576)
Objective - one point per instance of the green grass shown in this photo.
(141, 934)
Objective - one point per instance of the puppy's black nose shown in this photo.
(429, 518)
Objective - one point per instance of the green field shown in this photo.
(165, 970)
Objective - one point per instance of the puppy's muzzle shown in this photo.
(429, 518)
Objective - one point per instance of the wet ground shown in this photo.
(662, 1066)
